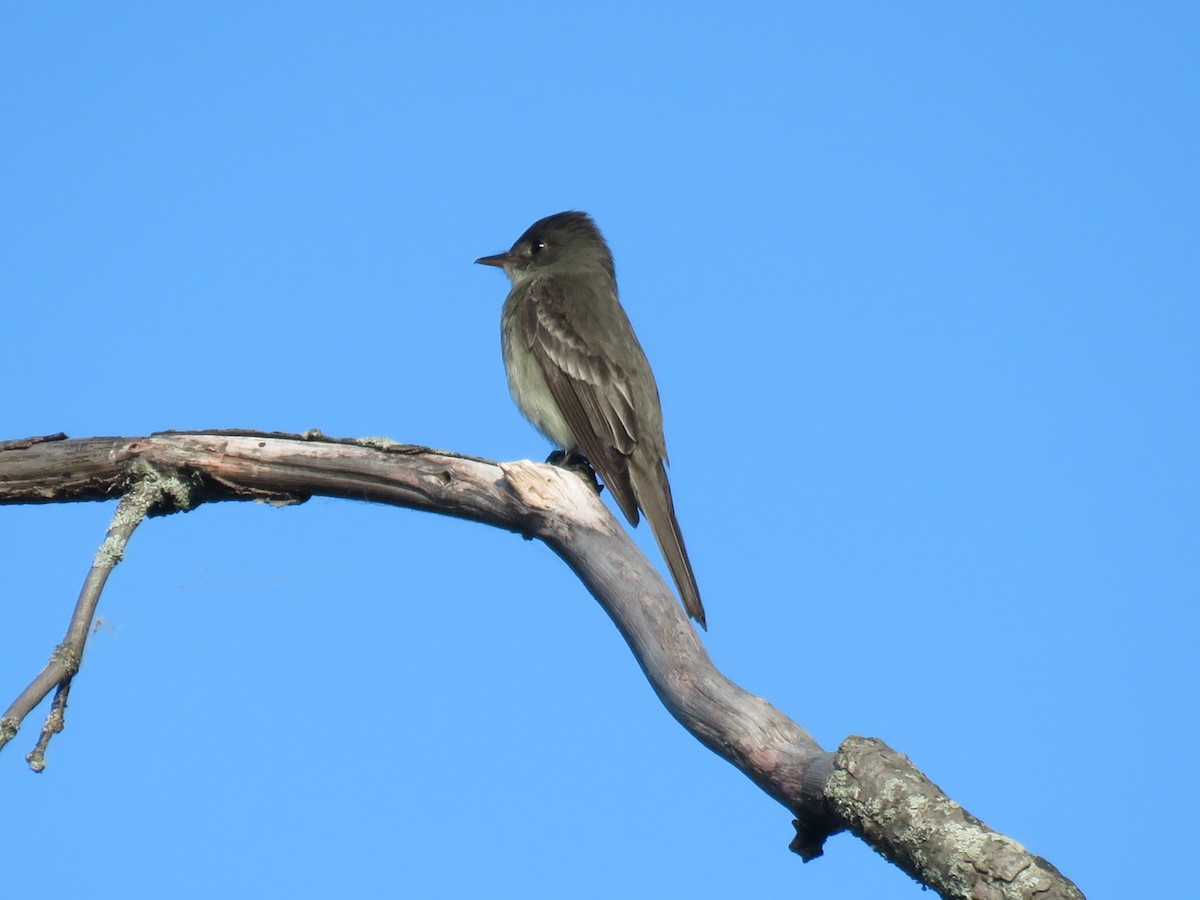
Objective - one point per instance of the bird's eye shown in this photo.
(538, 247)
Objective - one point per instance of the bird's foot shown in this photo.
(577, 463)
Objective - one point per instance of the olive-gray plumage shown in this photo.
(577, 372)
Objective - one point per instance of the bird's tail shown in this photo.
(653, 492)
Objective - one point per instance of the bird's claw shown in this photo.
(577, 463)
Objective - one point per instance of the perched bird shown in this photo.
(577, 372)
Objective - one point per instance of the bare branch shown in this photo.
(866, 788)
(22, 443)
(146, 493)
(885, 800)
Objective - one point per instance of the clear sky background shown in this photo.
(919, 283)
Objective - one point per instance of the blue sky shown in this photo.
(919, 284)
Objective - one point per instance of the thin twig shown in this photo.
(147, 493)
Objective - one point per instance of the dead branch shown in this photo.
(865, 787)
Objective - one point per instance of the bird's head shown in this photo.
(561, 243)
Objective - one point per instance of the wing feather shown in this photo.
(593, 394)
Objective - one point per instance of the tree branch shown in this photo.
(147, 492)
(865, 787)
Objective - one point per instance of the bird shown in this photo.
(577, 372)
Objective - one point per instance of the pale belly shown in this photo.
(531, 393)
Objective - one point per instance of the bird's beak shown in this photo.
(499, 260)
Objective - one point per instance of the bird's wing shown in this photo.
(592, 393)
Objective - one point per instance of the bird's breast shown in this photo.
(528, 385)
